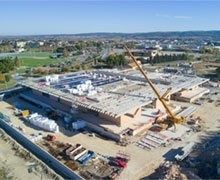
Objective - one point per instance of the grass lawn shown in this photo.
(34, 62)
(34, 59)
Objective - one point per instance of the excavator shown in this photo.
(171, 119)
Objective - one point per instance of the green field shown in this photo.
(30, 60)
(33, 62)
(34, 59)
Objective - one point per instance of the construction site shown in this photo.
(111, 123)
(114, 104)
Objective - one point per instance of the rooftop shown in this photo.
(114, 93)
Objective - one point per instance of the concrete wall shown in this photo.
(54, 98)
(116, 121)
(103, 132)
(39, 93)
(120, 120)
(52, 162)
(62, 101)
(135, 112)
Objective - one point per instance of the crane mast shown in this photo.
(172, 118)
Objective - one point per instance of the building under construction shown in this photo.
(111, 101)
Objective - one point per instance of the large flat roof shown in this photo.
(163, 80)
(120, 96)
(111, 102)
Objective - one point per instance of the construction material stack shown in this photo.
(43, 122)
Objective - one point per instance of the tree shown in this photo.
(77, 66)
(65, 69)
(110, 60)
(115, 60)
(17, 62)
(7, 77)
(2, 78)
(9, 64)
(218, 71)
(78, 46)
(216, 52)
(190, 57)
(65, 52)
(167, 58)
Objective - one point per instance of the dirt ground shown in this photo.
(16, 165)
(143, 162)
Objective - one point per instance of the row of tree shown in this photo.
(115, 60)
(6, 48)
(5, 78)
(210, 50)
(218, 72)
(167, 58)
(9, 64)
(78, 47)
(39, 71)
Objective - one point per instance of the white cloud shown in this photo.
(183, 17)
(163, 15)
(174, 17)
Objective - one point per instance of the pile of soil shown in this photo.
(172, 171)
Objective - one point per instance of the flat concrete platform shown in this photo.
(194, 92)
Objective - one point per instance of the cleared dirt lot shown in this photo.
(16, 165)
(142, 162)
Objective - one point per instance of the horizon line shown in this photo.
(53, 34)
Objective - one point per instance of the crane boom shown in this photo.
(173, 118)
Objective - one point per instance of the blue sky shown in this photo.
(56, 17)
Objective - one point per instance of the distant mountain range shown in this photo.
(210, 35)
